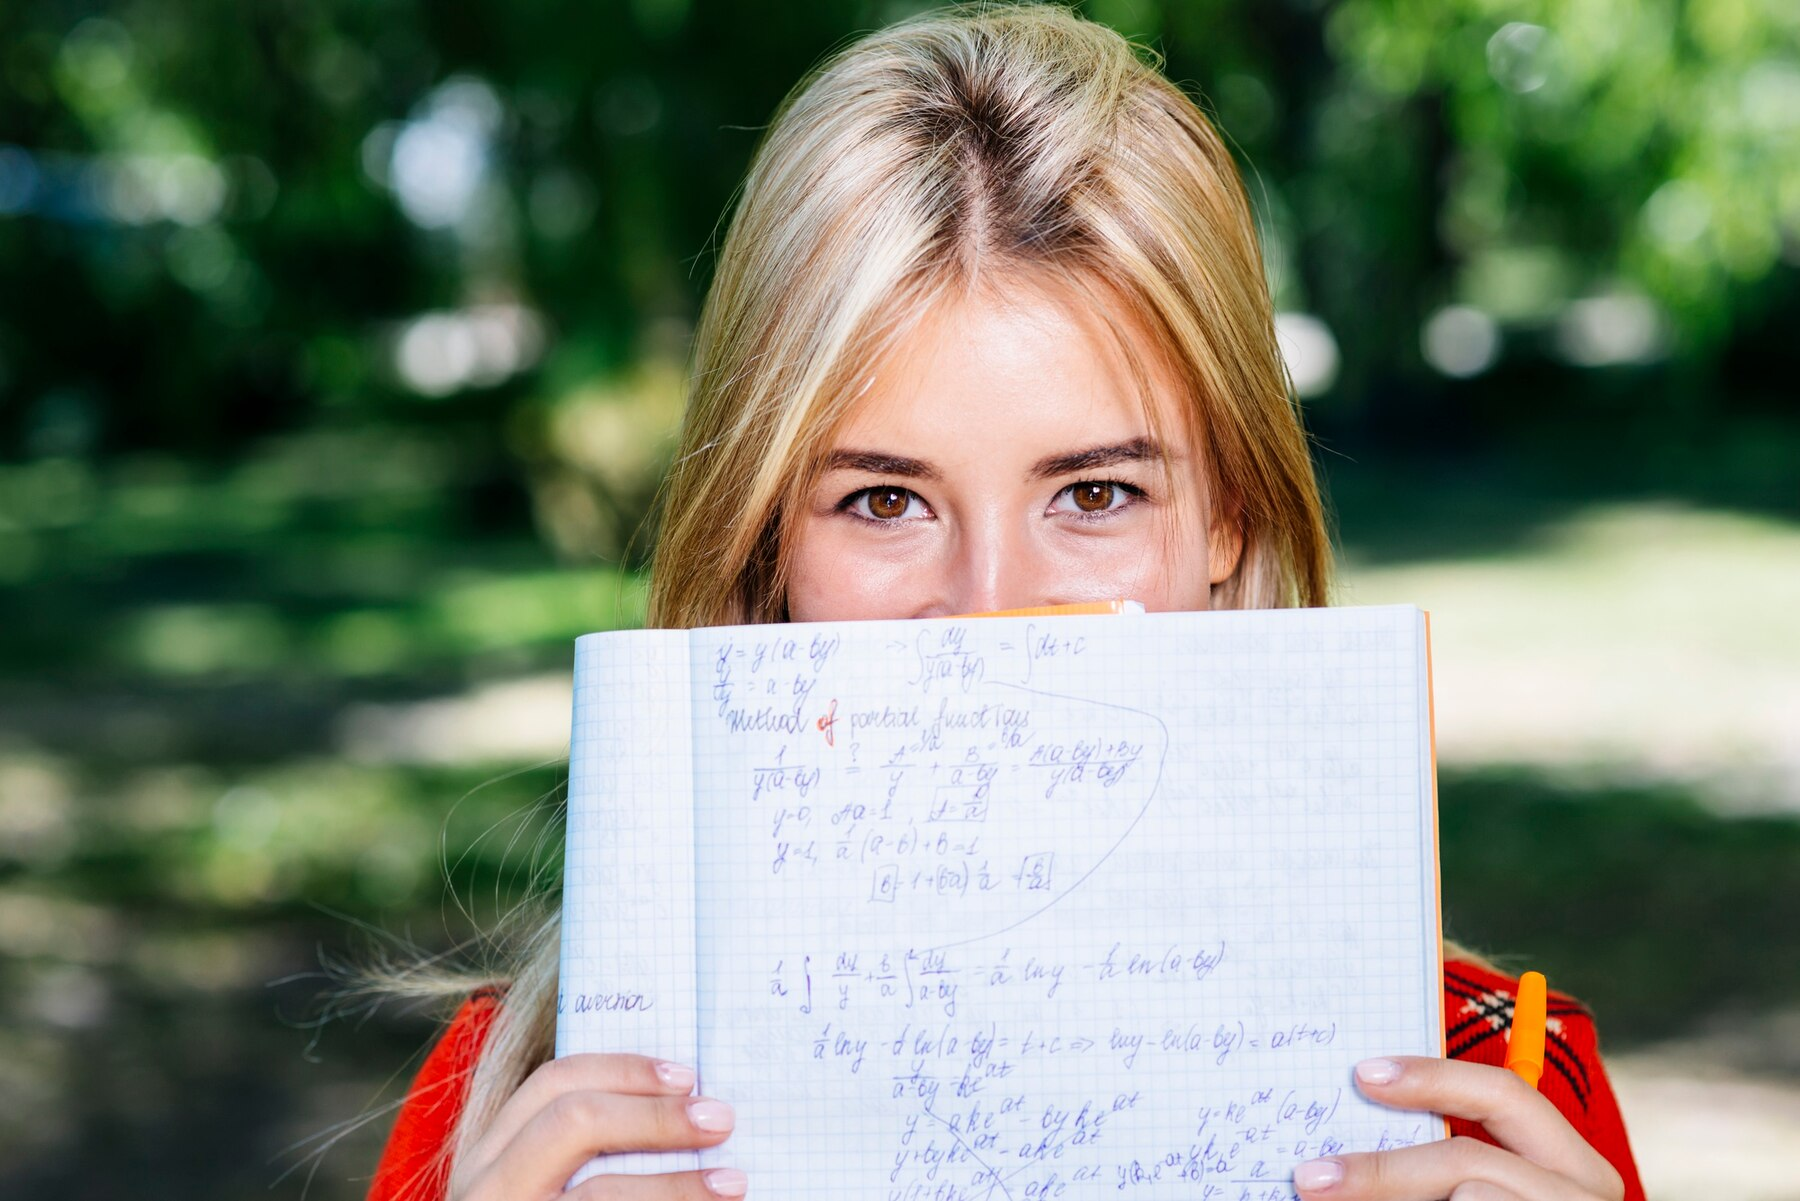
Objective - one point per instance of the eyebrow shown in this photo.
(1137, 450)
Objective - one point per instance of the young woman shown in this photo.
(989, 329)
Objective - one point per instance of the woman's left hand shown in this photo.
(1540, 1157)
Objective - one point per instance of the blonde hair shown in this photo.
(945, 152)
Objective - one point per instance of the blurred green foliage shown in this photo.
(222, 221)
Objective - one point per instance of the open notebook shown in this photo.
(1013, 907)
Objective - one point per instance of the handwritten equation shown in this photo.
(1044, 909)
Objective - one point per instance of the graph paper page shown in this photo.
(998, 906)
(1012, 908)
(627, 978)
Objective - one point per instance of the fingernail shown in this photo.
(675, 1075)
(1378, 1071)
(711, 1115)
(1317, 1174)
(726, 1182)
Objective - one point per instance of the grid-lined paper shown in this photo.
(992, 908)
(627, 978)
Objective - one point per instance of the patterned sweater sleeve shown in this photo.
(1478, 1007)
(415, 1165)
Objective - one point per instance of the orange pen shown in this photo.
(1525, 1041)
(1079, 607)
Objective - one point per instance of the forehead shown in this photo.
(1033, 360)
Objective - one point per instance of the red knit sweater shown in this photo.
(1477, 1013)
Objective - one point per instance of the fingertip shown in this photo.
(1318, 1175)
(1379, 1071)
(675, 1076)
(726, 1182)
(711, 1116)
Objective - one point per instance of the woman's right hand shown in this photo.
(572, 1109)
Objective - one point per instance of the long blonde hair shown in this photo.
(941, 152)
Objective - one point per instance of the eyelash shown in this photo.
(1132, 491)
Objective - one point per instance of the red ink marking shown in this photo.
(829, 720)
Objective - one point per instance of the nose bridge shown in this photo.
(994, 564)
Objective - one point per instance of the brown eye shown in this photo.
(888, 503)
(1093, 497)
(1097, 498)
